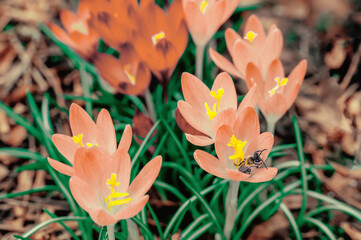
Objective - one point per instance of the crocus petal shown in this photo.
(224, 64)
(231, 37)
(81, 123)
(65, 146)
(272, 48)
(262, 175)
(61, 167)
(144, 180)
(184, 125)
(229, 98)
(250, 100)
(68, 18)
(120, 165)
(132, 208)
(210, 164)
(275, 70)
(223, 151)
(226, 117)
(253, 24)
(275, 107)
(101, 217)
(246, 126)
(126, 139)
(262, 141)
(242, 55)
(195, 118)
(61, 34)
(199, 140)
(106, 132)
(295, 80)
(254, 76)
(84, 194)
(236, 175)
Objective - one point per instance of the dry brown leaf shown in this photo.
(353, 233)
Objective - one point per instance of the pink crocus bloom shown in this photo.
(77, 34)
(87, 134)
(207, 109)
(204, 17)
(277, 92)
(255, 46)
(234, 145)
(100, 184)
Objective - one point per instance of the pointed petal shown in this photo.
(199, 140)
(120, 165)
(84, 194)
(224, 64)
(250, 100)
(61, 167)
(275, 70)
(223, 151)
(106, 132)
(61, 34)
(126, 140)
(144, 180)
(242, 55)
(272, 49)
(68, 18)
(295, 81)
(262, 141)
(231, 37)
(236, 175)
(65, 146)
(246, 127)
(210, 164)
(195, 117)
(132, 208)
(262, 175)
(184, 125)
(229, 98)
(253, 24)
(254, 76)
(81, 123)
(226, 117)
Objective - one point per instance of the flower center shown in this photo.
(80, 27)
(250, 35)
(280, 83)
(217, 95)
(238, 145)
(112, 182)
(157, 37)
(203, 6)
(131, 77)
(79, 140)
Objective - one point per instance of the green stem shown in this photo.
(133, 233)
(271, 127)
(110, 229)
(231, 207)
(199, 61)
(150, 105)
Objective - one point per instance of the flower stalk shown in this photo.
(199, 61)
(133, 233)
(110, 229)
(231, 207)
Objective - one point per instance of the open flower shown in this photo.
(236, 147)
(204, 17)
(161, 38)
(87, 134)
(206, 109)
(100, 184)
(254, 47)
(77, 34)
(127, 74)
(277, 92)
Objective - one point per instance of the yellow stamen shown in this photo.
(280, 83)
(238, 146)
(211, 113)
(203, 7)
(78, 139)
(80, 27)
(131, 77)
(216, 95)
(157, 37)
(91, 145)
(112, 182)
(250, 35)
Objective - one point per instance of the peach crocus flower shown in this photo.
(77, 34)
(87, 134)
(128, 75)
(100, 184)
(161, 38)
(254, 47)
(236, 144)
(205, 110)
(277, 92)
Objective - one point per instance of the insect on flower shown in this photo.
(254, 160)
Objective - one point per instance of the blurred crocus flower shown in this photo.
(204, 17)
(234, 147)
(78, 35)
(161, 38)
(100, 184)
(87, 134)
(128, 74)
(277, 92)
(206, 109)
(255, 46)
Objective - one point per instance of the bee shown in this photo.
(254, 160)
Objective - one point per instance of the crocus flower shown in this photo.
(100, 184)
(206, 109)
(236, 144)
(161, 38)
(128, 74)
(254, 47)
(87, 134)
(77, 34)
(204, 17)
(277, 92)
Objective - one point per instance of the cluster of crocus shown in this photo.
(100, 171)
(146, 38)
(234, 130)
(256, 60)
